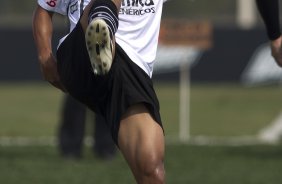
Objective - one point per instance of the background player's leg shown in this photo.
(72, 127)
(104, 146)
(141, 140)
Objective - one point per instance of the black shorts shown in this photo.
(110, 95)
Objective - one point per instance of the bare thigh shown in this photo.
(141, 140)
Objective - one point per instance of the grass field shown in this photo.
(184, 164)
(222, 110)
(33, 109)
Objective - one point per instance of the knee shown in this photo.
(153, 170)
(159, 173)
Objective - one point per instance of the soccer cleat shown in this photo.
(99, 46)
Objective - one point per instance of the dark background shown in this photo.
(232, 48)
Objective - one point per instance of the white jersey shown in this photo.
(139, 24)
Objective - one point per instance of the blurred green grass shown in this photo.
(221, 109)
(232, 109)
(28, 109)
(33, 109)
(184, 164)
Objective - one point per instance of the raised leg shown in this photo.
(100, 23)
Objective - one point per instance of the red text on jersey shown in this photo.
(52, 3)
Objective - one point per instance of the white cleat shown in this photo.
(99, 46)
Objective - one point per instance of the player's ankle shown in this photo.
(106, 10)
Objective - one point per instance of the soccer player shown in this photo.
(106, 62)
(269, 10)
